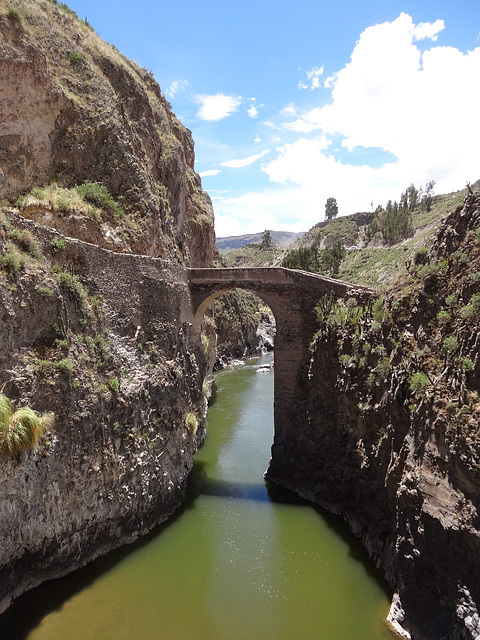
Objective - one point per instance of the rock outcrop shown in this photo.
(388, 433)
(73, 109)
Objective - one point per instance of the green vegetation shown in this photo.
(331, 209)
(394, 220)
(472, 309)
(90, 198)
(12, 260)
(443, 316)
(75, 57)
(97, 194)
(191, 422)
(57, 244)
(20, 249)
(419, 383)
(266, 240)
(205, 342)
(46, 292)
(449, 345)
(14, 15)
(20, 429)
(64, 365)
(114, 384)
(326, 261)
(69, 282)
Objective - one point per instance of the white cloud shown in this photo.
(209, 172)
(289, 111)
(176, 87)
(217, 106)
(253, 111)
(393, 97)
(330, 81)
(312, 80)
(257, 139)
(428, 30)
(244, 162)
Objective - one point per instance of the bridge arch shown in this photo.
(269, 300)
(292, 296)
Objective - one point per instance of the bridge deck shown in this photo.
(276, 276)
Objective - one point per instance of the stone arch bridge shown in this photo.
(292, 296)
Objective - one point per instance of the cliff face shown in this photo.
(389, 436)
(73, 109)
(94, 170)
(102, 340)
(244, 327)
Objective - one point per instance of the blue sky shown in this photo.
(292, 103)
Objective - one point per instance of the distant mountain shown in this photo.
(279, 238)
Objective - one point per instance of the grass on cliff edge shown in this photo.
(92, 199)
(20, 429)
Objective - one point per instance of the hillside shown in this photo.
(279, 238)
(370, 262)
(75, 111)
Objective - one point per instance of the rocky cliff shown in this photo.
(389, 431)
(95, 170)
(244, 327)
(74, 110)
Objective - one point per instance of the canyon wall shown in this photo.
(103, 342)
(387, 434)
(100, 212)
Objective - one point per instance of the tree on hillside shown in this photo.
(332, 258)
(304, 258)
(331, 209)
(427, 198)
(266, 240)
(412, 197)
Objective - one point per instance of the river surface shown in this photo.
(239, 562)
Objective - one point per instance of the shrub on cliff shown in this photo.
(98, 195)
(20, 429)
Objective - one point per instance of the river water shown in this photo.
(239, 562)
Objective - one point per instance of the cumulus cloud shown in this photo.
(176, 87)
(428, 30)
(209, 172)
(217, 106)
(253, 111)
(289, 111)
(392, 96)
(244, 162)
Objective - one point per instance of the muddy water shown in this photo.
(240, 562)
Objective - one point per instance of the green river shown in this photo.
(238, 562)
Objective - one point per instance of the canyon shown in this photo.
(102, 217)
